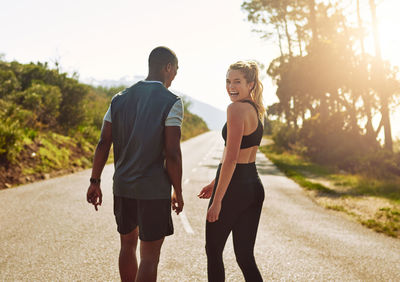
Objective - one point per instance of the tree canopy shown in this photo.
(329, 88)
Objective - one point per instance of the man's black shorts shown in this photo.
(152, 216)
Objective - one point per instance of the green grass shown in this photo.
(386, 220)
(389, 227)
(58, 152)
(336, 208)
(54, 153)
(295, 168)
(28, 171)
(299, 169)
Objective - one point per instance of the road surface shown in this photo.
(49, 232)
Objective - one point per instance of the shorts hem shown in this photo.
(155, 238)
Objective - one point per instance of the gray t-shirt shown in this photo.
(175, 115)
(139, 115)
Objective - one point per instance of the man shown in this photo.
(143, 123)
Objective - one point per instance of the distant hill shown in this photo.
(126, 81)
(214, 117)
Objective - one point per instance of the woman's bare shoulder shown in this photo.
(236, 107)
(239, 108)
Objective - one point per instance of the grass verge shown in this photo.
(48, 154)
(375, 203)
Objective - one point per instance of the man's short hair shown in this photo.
(160, 57)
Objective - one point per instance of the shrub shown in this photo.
(380, 164)
(11, 136)
(8, 82)
(42, 100)
(72, 112)
(14, 126)
(192, 125)
(284, 136)
(330, 142)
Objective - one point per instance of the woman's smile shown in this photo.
(237, 86)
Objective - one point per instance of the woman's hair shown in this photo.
(250, 72)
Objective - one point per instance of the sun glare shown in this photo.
(388, 21)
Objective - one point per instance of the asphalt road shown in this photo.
(49, 233)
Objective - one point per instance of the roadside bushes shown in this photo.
(13, 124)
(332, 142)
(10, 137)
(285, 136)
(8, 82)
(55, 98)
(382, 164)
(192, 125)
(43, 100)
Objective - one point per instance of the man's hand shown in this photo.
(94, 195)
(177, 202)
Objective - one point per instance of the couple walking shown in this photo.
(143, 124)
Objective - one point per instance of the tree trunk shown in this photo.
(298, 30)
(299, 39)
(361, 36)
(370, 132)
(279, 39)
(289, 40)
(313, 21)
(381, 80)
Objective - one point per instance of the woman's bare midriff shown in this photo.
(246, 156)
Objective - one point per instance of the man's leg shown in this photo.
(149, 258)
(127, 256)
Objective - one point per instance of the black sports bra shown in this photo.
(252, 139)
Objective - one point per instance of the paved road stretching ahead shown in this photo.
(49, 233)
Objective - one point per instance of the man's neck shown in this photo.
(153, 77)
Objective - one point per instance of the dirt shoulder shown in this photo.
(377, 213)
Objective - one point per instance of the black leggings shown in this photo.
(240, 213)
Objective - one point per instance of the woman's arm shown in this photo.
(235, 124)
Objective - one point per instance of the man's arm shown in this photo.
(94, 195)
(173, 159)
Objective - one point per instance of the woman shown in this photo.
(236, 192)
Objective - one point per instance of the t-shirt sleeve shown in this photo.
(107, 116)
(175, 115)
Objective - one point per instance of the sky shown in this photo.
(112, 39)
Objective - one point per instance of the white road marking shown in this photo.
(186, 181)
(185, 223)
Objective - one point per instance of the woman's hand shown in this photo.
(206, 192)
(213, 212)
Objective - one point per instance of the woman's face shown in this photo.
(237, 86)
